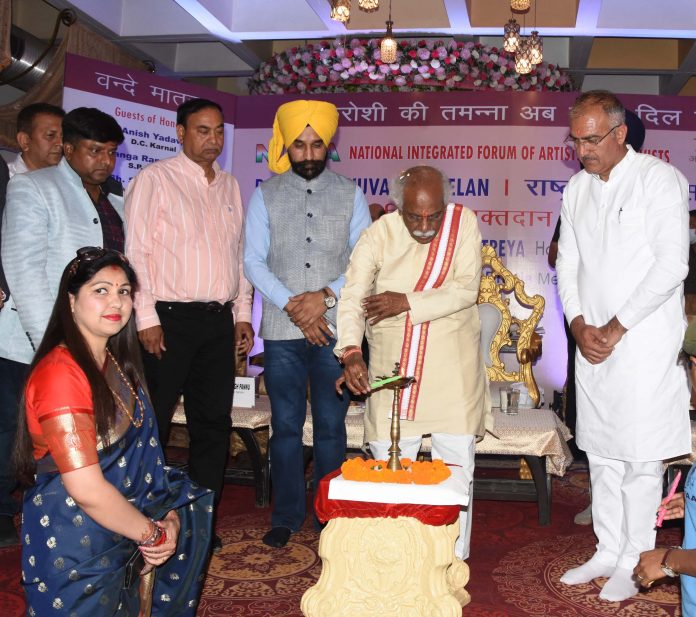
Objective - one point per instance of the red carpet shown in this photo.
(515, 564)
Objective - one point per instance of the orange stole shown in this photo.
(437, 265)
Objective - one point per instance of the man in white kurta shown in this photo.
(623, 254)
(416, 272)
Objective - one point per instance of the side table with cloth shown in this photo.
(389, 559)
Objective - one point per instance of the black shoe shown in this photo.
(8, 533)
(216, 545)
(277, 537)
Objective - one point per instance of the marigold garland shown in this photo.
(422, 65)
(416, 472)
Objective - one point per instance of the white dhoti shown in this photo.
(453, 450)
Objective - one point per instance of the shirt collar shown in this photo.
(18, 166)
(620, 168)
(196, 170)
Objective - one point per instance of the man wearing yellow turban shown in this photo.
(301, 226)
(291, 120)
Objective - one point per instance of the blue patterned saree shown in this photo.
(74, 567)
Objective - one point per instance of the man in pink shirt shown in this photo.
(193, 305)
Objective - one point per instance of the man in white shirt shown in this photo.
(40, 138)
(623, 254)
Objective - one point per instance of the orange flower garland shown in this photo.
(361, 470)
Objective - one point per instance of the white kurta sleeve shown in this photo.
(459, 292)
(360, 279)
(667, 230)
(567, 264)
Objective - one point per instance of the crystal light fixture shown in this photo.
(387, 48)
(368, 5)
(536, 48)
(520, 5)
(340, 10)
(511, 38)
(523, 61)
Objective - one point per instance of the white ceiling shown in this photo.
(224, 37)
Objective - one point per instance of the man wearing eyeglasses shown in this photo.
(622, 259)
(411, 288)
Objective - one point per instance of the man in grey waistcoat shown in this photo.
(301, 226)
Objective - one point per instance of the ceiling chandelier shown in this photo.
(520, 5)
(368, 5)
(528, 50)
(387, 48)
(340, 9)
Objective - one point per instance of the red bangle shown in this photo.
(162, 538)
(350, 351)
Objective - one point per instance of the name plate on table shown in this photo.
(244, 392)
(452, 491)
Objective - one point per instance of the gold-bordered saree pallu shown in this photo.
(72, 566)
(437, 265)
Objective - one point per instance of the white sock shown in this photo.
(620, 586)
(588, 571)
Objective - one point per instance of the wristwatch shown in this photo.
(329, 300)
(665, 568)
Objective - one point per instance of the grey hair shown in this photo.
(608, 101)
(417, 174)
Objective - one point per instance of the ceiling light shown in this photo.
(520, 5)
(340, 10)
(511, 38)
(523, 61)
(536, 48)
(368, 5)
(387, 48)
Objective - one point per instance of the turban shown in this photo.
(290, 120)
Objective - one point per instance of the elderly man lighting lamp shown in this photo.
(411, 287)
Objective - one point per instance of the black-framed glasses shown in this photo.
(593, 141)
(92, 253)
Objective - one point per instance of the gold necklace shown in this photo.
(136, 423)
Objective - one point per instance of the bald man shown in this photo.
(415, 275)
(300, 228)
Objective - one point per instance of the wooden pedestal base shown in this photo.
(387, 567)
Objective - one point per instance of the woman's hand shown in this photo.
(157, 555)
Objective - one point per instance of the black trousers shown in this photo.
(200, 363)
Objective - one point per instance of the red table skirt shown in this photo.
(326, 508)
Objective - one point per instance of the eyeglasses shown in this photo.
(92, 253)
(592, 141)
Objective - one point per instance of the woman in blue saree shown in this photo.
(100, 495)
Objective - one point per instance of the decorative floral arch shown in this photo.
(424, 65)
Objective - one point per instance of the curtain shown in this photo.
(76, 39)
